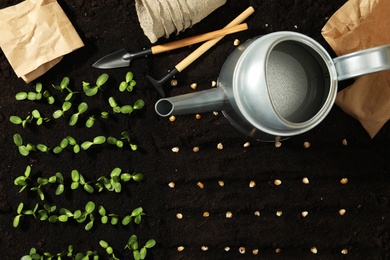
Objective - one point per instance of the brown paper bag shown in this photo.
(358, 25)
(35, 35)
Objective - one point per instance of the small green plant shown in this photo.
(128, 84)
(91, 91)
(37, 95)
(63, 144)
(64, 85)
(23, 149)
(114, 182)
(139, 253)
(44, 213)
(72, 141)
(78, 180)
(90, 122)
(81, 109)
(97, 140)
(112, 140)
(20, 213)
(126, 109)
(34, 255)
(136, 216)
(60, 112)
(126, 136)
(109, 249)
(35, 114)
(23, 181)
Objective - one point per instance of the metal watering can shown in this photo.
(278, 85)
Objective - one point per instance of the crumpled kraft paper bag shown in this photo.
(358, 25)
(35, 35)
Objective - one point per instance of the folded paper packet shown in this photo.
(163, 17)
(35, 35)
(358, 25)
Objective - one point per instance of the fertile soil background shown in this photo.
(105, 26)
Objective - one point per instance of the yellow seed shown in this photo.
(194, 86)
(236, 42)
(278, 250)
(171, 184)
(257, 213)
(344, 251)
(206, 214)
(314, 250)
(252, 184)
(229, 214)
(215, 113)
(241, 250)
(221, 183)
(172, 118)
(344, 181)
(278, 144)
(195, 149)
(277, 182)
(255, 251)
(304, 214)
(220, 146)
(305, 180)
(306, 145)
(279, 213)
(197, 116)
(205, 248)
(179, 216)
(180, 248)
(247, 144)
(342, 212)
(213, 83)
(344, 142)
(174, 82)
(175, 149)
(227, 248)
(200, 185)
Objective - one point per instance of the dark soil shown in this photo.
(109, 25)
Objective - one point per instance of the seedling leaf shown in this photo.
(101, 79)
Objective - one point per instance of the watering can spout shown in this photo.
(202, 101)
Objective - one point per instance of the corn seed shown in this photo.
(227, 248)
(236, 42)
(171, 184)
(179, 216)
(241, 250)
(220, 146)
(304, 214)
(205, 248)
(172, 118)
(174, 82)
(247, 144)
(175, 149)
(314, 250)
(229, 214)
(342, 212)
(197, 116)
(200, 185)
(180, 248)
(195, 149)
(279, 213)
(213, 83)
(255, 251)
(306, 145)
(278, 250)
(344, 251)
(257, 213)
(194, 86)
(344, 181)
(215, 113)
(278, 144)
(221, 183)
(252, 184)
(305, 180)
(277, 182)
(206, 214)
(344, 142)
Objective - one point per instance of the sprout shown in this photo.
(65, 107)
(91, 91)
(78, 179)
(64, 85)
(133, 245)
(128, 84)
(112, 140)
(81, 109)
(109, 249)
(97, 140)
(125, 136)
(90, 122)
(139, 104)
(64, 143)
(23, 149)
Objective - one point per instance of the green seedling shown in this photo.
(112, 140)
(115, 108)
(20, 213)
(81, 109)
(128, 84)
(60, 112)
(37, 95)
(44, 214)
(35, 114)
(64, 143)
(78, 180)
(126, 109)
(72, 141)
(23, 149)
(42, 182)
(116, 176)
(34, 255)
(136, 216)
(91, 91)
(139, 253)
(90, 122)
(64, 85)
(126, 136)
(97, 140)
(104, 114)
(109, 249)
(23, 181)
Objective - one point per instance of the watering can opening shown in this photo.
(164, 107)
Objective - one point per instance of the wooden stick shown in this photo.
(198, 38)
(207, 45)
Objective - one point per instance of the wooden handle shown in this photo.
(198, 38)
(207, 45)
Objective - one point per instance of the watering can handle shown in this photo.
(363, 62)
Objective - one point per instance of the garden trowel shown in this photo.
(122, 58)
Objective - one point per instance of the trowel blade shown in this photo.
(118, 59)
